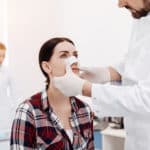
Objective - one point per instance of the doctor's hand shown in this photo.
(69, 84)
(95, 74)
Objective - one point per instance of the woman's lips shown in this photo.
(75, 69)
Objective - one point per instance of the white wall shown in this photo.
(31, 22)
(99, 28)
(1, 20)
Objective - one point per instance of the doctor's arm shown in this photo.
(100, 74)
(119, 100)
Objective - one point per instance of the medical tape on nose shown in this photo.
(71, 60)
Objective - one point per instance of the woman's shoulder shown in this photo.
(32, 102)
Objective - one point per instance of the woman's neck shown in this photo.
(56, 98)
(60, 105)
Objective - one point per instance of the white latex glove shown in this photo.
(95, 74)
(69, 84)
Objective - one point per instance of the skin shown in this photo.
(2, 56)
(56, 67)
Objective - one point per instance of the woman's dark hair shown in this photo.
(47, 51)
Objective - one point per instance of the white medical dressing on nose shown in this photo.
(71, 60)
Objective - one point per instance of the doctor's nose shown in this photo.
(122, 3)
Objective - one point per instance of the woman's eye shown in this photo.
(76, 55)
(64, 56)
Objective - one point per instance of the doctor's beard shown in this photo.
(140, 13)
(137, 14)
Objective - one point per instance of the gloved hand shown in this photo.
(95, 74)
(69, 84)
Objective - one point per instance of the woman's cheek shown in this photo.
(58, 70)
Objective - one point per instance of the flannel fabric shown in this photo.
(36, 126)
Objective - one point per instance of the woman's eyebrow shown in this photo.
(65, 51)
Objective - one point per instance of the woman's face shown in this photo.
(57, 63)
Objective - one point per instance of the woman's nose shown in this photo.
(71, 60)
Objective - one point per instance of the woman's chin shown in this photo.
(76, 71)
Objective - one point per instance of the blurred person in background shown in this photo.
(8, 95)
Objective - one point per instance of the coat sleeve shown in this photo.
(110, 100)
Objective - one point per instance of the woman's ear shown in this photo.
(46, 67)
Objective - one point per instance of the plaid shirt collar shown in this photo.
(47, 108)
(45, 103)
(78, 139)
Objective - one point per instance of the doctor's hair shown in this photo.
(2, 46)
(47, 50)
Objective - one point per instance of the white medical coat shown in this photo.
(132, 99)
(8, 99)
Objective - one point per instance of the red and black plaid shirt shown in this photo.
(36, 126)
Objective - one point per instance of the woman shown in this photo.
(50, 120)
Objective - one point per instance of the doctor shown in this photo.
(132, 99)
(8, 96)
